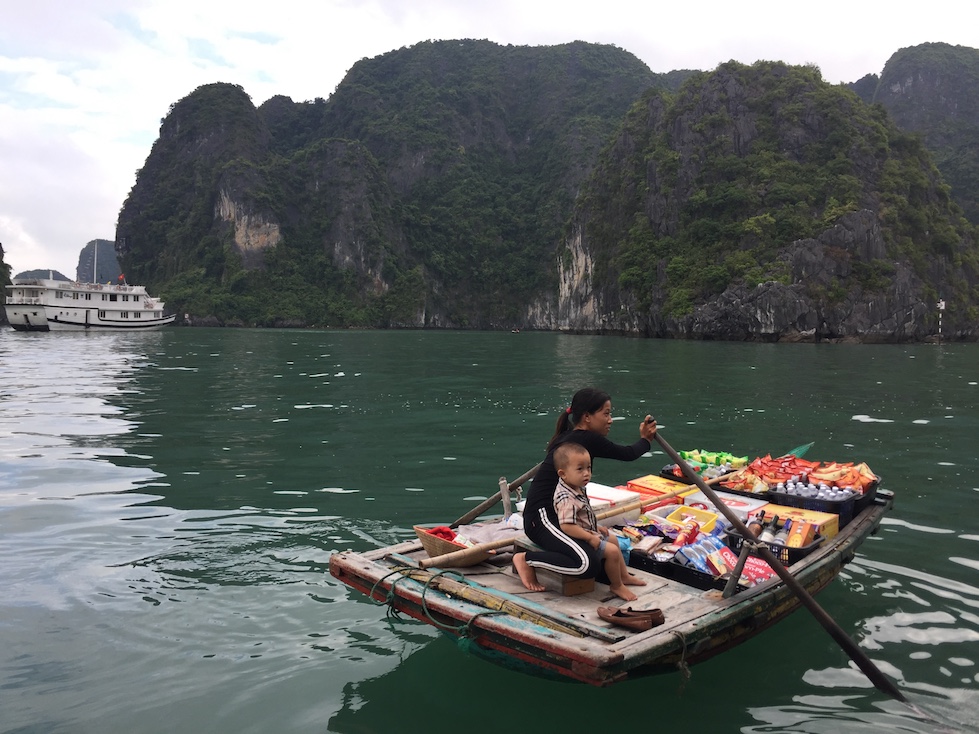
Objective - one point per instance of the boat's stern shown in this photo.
(27, 317)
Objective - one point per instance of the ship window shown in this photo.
(113, 297)
(125, 298)
(101, 314)
(74, 296)
(88, 296)
(59, 294)
(135, 314)
(124, 314)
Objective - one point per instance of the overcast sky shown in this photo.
(84, 84)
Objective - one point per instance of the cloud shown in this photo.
(84, 85)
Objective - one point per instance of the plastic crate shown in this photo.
(786, 554)
(704, 519)
(686, 575)
(843, 508)
(667, 473)
(866, 499)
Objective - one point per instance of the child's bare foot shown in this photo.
(623, 593)
(528, 576)
(632, 580)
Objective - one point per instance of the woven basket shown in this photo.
(436, 546)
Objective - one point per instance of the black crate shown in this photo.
(843, 508)
(784, 553)
(687, 575)
(667, 473)
(866, 499)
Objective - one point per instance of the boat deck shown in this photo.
(551, 634)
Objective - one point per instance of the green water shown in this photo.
(169, 503)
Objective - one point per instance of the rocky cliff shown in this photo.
(931, 89)
(433, 173)
(469, 185)
(761, 203)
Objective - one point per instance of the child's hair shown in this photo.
(565, 453)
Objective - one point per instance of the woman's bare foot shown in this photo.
(623, 593)
(528, 576)
(632, 580)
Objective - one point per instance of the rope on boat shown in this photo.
(682, 663)
(389, 598)
(464, 630)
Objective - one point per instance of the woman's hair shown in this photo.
(586, 400)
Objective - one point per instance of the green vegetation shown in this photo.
(441, 183)
(741, 162)
(940, 103)
(443, 174)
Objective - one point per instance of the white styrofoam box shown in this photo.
(602, 498)
(597, 504)
(741, 506)
(615, 497)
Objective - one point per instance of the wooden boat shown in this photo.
(550, 634)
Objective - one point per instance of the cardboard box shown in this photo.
(654, 484)
(801, 534)
(755, 570)
(826, 523)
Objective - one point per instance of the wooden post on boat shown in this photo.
(490, 501)
(880, 681)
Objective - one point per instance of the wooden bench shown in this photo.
(570, 585)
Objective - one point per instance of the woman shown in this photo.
(587, 422)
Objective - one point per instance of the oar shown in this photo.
(490, 501)
(799, 451)
(880, 681)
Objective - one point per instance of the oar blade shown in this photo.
(799, 451)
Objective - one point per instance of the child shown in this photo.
(577, 519)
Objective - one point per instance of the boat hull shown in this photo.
(24, 319)
(27, 318)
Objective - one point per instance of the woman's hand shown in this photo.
(647, 429)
